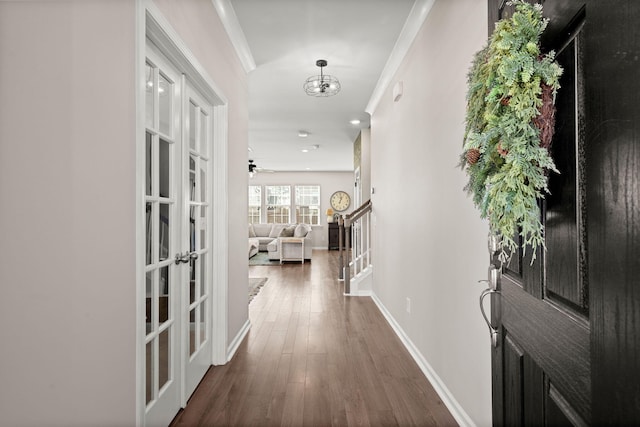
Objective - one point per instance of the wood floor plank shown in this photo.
(292, 331)
(278, 395)
(316, 405)
(292, 415)
(356, 409)
(314, 357)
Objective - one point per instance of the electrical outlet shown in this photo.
(408, 305)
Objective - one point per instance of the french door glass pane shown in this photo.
(203, 180)
(163, 296)
(193, 160)
(203, 329)
(192, 125)
(193, 213)
(203, 227)
(149, 299)
(203, 276)
(192, 330)
(164, 165)
(149, 98)
(203, 134)
(163, 358)
(193, 266)
(149, 232)
(165, 95)
(148, 164)
(163, 231)
(149, 375)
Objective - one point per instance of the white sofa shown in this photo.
(254, 244)
(267, 236)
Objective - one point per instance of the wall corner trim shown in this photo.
(412, 25)
(448, 399)
(233, 346)
(236, 35)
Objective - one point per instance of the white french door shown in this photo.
(198, 116)
(163, 276)
(178, 259)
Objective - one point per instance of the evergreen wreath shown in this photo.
(509, 125)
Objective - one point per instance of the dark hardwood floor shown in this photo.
(314, 357)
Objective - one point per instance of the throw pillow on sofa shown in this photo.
(275, 231)
(301, 230)
(288, 231)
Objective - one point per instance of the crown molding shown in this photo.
(416, 18)
(232, 26)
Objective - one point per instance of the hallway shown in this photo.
(315, 358)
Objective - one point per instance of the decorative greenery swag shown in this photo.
(509, 126)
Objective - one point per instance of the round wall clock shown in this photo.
(340, 201)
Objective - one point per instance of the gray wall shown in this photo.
(67, 221)
(429, 243)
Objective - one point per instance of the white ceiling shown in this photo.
(284, 39)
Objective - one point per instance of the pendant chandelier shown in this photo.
(323, 84)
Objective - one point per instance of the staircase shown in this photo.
(357, 273)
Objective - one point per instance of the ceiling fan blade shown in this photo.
(259, 169)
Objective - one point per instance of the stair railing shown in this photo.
(359, 221)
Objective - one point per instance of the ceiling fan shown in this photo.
(253, 169)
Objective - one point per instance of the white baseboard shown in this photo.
(233, 346)
(359, 294)
(448, 399)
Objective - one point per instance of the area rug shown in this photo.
(262, 258)
(255, 284)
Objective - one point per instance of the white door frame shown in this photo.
(152, 24)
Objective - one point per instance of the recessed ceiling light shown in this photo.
(305, 150)
(355, 122)
(303, 133)
(307, 169)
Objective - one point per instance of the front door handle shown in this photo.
(493, 279)
(493, 331)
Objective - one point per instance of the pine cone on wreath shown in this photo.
(473, 155)
(546, 120)
(501, 150)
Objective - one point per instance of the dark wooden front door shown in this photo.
(568, 350)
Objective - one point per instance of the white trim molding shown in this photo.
(234, 31)
(448, 399)
(242, 333)
(416, 18)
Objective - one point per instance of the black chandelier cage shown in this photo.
(322, 85)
